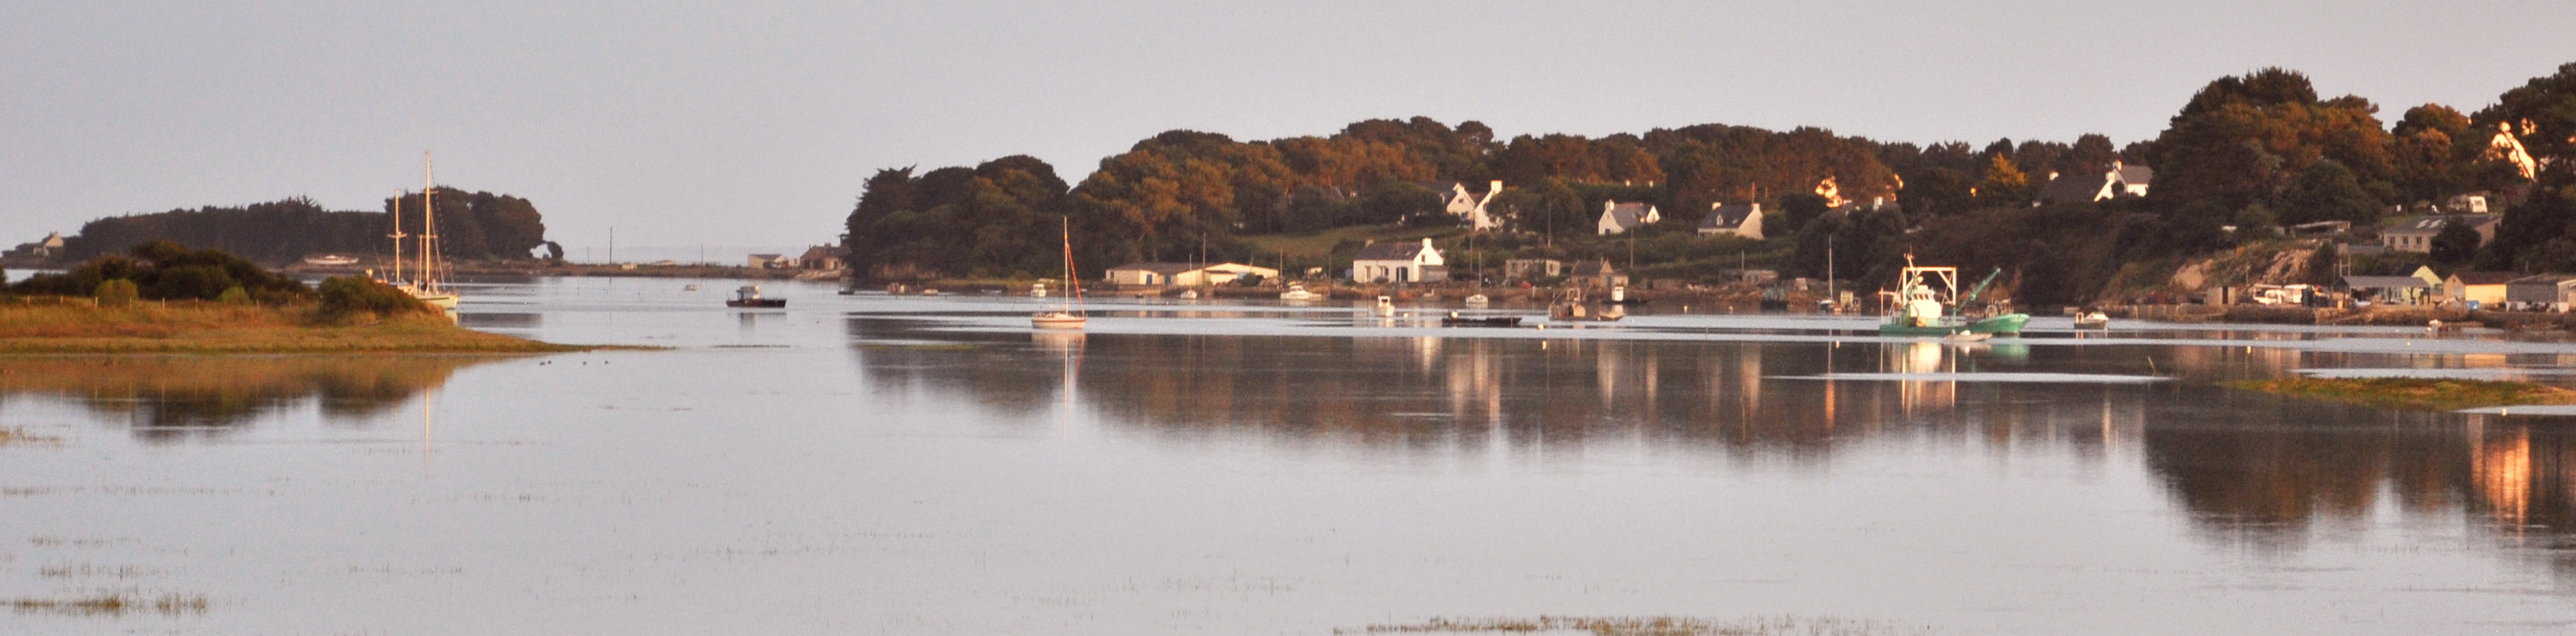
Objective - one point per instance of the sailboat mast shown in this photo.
(428, 225)
(398, 237)
(1072, 292)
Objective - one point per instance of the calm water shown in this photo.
(880, 465)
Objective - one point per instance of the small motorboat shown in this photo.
(1037, 290)
(1297, 294)
(1479, 300)
(2091, 318)
(1189, 294)
(1455, 320)
(1385, 306)
(749, 296)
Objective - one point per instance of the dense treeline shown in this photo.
(471, 225)
(1183, 193)
(2244, 157)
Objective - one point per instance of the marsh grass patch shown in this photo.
(1646, 626)
(112, 604)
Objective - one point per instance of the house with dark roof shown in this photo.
(1743, 219)
(2133, 180)
(2416, 234)
(1398, 262)
(1619, 218)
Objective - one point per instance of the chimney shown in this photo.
(1498, 186)
(2052, 175)
(1426, 243)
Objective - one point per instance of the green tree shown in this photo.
(2455, 244)
(2326, 191)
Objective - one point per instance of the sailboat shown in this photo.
(1068, 317)
(424, 285)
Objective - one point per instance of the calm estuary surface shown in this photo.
(909, 465)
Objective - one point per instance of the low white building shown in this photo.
(1185, 274)
(1399, 262)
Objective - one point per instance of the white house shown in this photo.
(1470, 207)
(771, 261)
(1743, 220)
(1618, 218)
(1398, 262)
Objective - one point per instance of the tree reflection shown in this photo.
(174, 397)
(2252, 470)
(2266, 471)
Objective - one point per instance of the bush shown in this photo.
(234, 295)
(352, 295)
(115, 292)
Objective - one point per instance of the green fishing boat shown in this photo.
(1925, 303)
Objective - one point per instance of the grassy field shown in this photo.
(2416, 393)
(1321, 244)
(208, 327)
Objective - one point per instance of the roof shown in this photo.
(2384, 282)
(767, 257)
(1157, 267)
(2073, 188)
(1728, 216)
(2430, 224)
(2485, 278)
(1629, 215)
(1389, 251)
(2542, 279)
(2137, 175)
(819, 251)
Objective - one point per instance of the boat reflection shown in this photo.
(173, 398)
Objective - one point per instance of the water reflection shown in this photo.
(2252, 470)
(1486, 393)
(168, 398)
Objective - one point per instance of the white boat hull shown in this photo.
(1058, 320)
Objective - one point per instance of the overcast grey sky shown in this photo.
(752, 123)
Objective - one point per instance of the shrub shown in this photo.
(234, 295)
(352, 295)
(115, 292)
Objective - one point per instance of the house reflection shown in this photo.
(172, 398)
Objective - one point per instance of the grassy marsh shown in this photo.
(213, 327)
(1643, 626)
(2416, 393)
